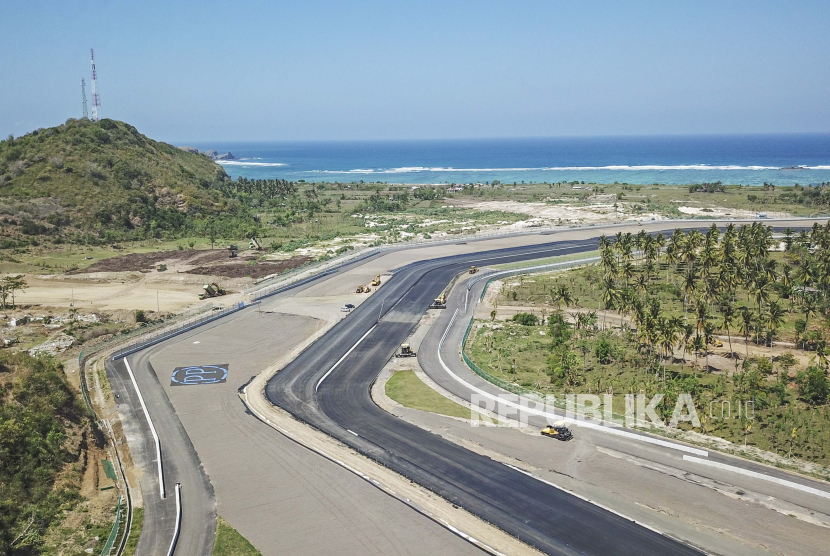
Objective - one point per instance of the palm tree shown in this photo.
(727, 312)
(698, 345)
(628, 271)
(562, 295)
(709, 329)
(608, 262)
(667, 329)
(687, 329)
(746, 324)
(775, 318)
(689, 286)
(809, 307)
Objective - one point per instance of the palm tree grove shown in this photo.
(736, 317)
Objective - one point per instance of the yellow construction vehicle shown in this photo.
(439, 303)
(715, 342)
(473, 270)
(558, 431)
(406, 351)
(359, 289)
(211, 290)
(376, 281)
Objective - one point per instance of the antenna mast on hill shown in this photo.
(96, 101)
(83, 97)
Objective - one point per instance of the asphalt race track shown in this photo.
(337, 401)
(538, 514)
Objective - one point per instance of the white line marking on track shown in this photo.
(549, 416)
(152, 427)
(351, 431)
(325, 376)
(761, 476)
(176, 532)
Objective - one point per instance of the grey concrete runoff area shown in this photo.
(287, 499)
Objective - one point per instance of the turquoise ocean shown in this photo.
(731, 159)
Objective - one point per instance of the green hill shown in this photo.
(105, 181)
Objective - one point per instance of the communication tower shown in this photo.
(96, 100)
(83, 97)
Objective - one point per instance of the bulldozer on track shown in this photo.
(211, 290)
(439, 303)
(406, 351)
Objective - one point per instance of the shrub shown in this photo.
(526, 319)
(603, 350)
(813, 385)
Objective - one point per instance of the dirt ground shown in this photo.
(213, 262)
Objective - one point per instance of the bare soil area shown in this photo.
(241, 267)
(215, 262)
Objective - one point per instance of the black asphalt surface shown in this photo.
(538, 514)
(179, 460)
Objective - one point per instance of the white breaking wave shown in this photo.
(415, 169)
(243, 162)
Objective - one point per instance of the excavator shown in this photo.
(211, 290)
(359, 289)
(439, 303)
(376, 281)
(406, 351)
(473, 269)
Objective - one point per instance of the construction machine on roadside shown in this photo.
(211, 290)
(439, 303)
(359, 289)
(376, 281)
(406, 351)
(473, 269)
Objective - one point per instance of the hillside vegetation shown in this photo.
(84, 180)
(43, 432)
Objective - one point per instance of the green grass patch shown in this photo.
(408, 390)
(135, 531)
(548, 260)
(230, 543)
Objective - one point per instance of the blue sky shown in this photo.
(202, 71)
